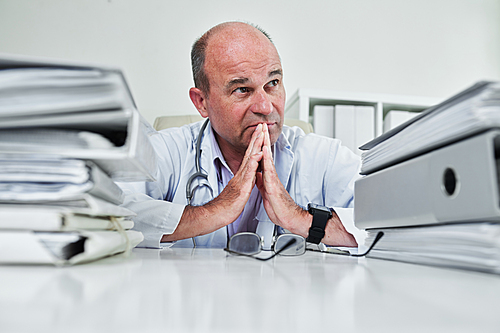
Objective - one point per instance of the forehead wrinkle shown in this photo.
(228, 55)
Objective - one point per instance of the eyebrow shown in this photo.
(276, 72)
(234, 82)
(244, 80)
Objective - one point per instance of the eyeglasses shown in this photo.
(249, 244)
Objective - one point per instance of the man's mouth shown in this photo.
(269, 125)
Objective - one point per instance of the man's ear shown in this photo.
(198, 98)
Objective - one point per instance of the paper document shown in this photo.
(43, 178)
(86, 204)
(473, 246)
(29, 91)
(43, 218)
(63, 248)
(470, 112)
(75, 111)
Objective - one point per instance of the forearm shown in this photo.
(335, 232)
(195, 221)
(221, 211)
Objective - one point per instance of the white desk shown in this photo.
(202, 290)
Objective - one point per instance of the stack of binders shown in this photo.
(67, 132)
(432, 185)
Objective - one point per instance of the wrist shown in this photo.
(299, 222)
(320, 216)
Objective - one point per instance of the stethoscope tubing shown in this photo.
(198, 172)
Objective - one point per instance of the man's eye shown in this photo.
(241, 90)
(273, 83)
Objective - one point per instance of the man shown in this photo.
(261, 174)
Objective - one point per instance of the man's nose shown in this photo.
(262, 103)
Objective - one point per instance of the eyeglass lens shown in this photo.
(296, 249)
(245, 243)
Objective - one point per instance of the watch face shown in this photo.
(311, 206)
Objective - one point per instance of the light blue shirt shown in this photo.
(312, 168)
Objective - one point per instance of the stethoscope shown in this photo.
(198, 173)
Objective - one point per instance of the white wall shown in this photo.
(415, 47)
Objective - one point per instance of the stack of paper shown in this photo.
(473, 246)
(433, 185)
(55, 210)
(472, 111)
(66, 133)
(44, 103)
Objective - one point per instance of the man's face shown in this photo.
(246, 88)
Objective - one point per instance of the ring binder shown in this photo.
(459, 182)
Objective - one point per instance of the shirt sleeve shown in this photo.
(341, 174)
(155, 215)
(342, 171)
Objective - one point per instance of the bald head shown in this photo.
(239, 84)
(223, 38)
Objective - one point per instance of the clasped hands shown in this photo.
(257, 168)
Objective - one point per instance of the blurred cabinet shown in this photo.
(301, 105)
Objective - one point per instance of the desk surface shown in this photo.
(207, 290)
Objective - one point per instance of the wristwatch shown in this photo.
(321, 215)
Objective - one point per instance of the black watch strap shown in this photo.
(317, 229)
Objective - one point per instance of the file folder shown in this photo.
(43, 218)
(42, 178)
(470, 112)
(47, 94)
(84, 203)
(63, 248)
(459, 182)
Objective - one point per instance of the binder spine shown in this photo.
(456, 183)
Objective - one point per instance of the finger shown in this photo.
(255, 143)
(249, 166)
(267, 143)
(267, 139)
(267, 162)
(255, 135)
(259, 141)
(256, 150)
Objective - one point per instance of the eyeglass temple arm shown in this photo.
(286, 246)
(377, 238)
